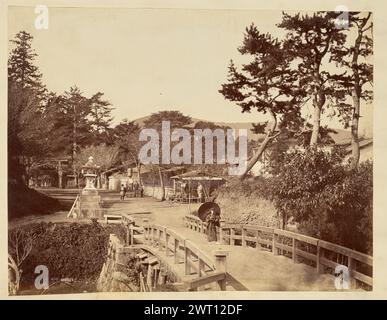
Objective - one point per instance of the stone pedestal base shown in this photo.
(89, 205)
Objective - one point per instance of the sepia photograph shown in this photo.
(180, 149)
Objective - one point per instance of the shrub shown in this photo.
(76, 250)
(246, 202)
(327, 199)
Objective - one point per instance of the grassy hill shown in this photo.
(23, 201)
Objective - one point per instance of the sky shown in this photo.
(147, 60)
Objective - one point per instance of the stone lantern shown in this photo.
(89, 171)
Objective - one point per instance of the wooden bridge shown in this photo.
(248, 257)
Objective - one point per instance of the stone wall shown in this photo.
(113, 277)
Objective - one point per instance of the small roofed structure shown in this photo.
(185, 185)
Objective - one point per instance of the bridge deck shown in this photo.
(249, 268)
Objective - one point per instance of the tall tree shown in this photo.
(177, 120)
(100, 118)
(355, 58)
(21, 68)
(26, 99)
(126, 137)
(266, 84)
(73, 120)
(308, 41)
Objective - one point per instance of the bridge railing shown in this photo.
(322, 255)
(204, 269)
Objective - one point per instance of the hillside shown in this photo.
(340, 137)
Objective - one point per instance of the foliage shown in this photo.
(309, 40)
(327, 200)
(266, 84)
(76, 250)
(126, 137)
(27, 130)
(247, 202)
(177, 121)
(104, 156)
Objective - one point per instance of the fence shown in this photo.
(322, 255)
(200, 269)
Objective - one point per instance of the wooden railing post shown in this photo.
(175, 250)
(232, 233)
(159, 244)
(243, 233)
(351, 268)
(274, 249)
(318, 253)
(221, 266)
(166, 238)
(258, 245)
(199, 267)
(186, 260)
(294, 250)
(221, 231)
(145, 222)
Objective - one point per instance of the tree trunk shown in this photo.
(356, 95)
(162, 196)
(254, 159)
(355, 131)
(318, 103)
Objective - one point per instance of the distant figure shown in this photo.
(122, 192)
(200, 193)
(213, 221)
(136, 189)
(141, 190)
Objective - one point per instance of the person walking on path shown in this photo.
(213, 221)
(122, 192)
(136, 187)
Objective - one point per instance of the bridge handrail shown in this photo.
(197, 263)
(301, 248)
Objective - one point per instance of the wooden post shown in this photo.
(186, 260)
(274, 249)
(199, 267)
(258, 245)
(159, 244)
(232, 233)
(221, 266)
(294, 250)
(175, 250)
(351, 268)
(221, 232)
(145, 221)
(166, 238)
(318, 266)
(149, 277)
(243, 232)
(127, 241)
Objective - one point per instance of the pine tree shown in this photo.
(21, 68)
(309, 41)
(266, 84)
(100, 118)
(355, 59)
(26, 98)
